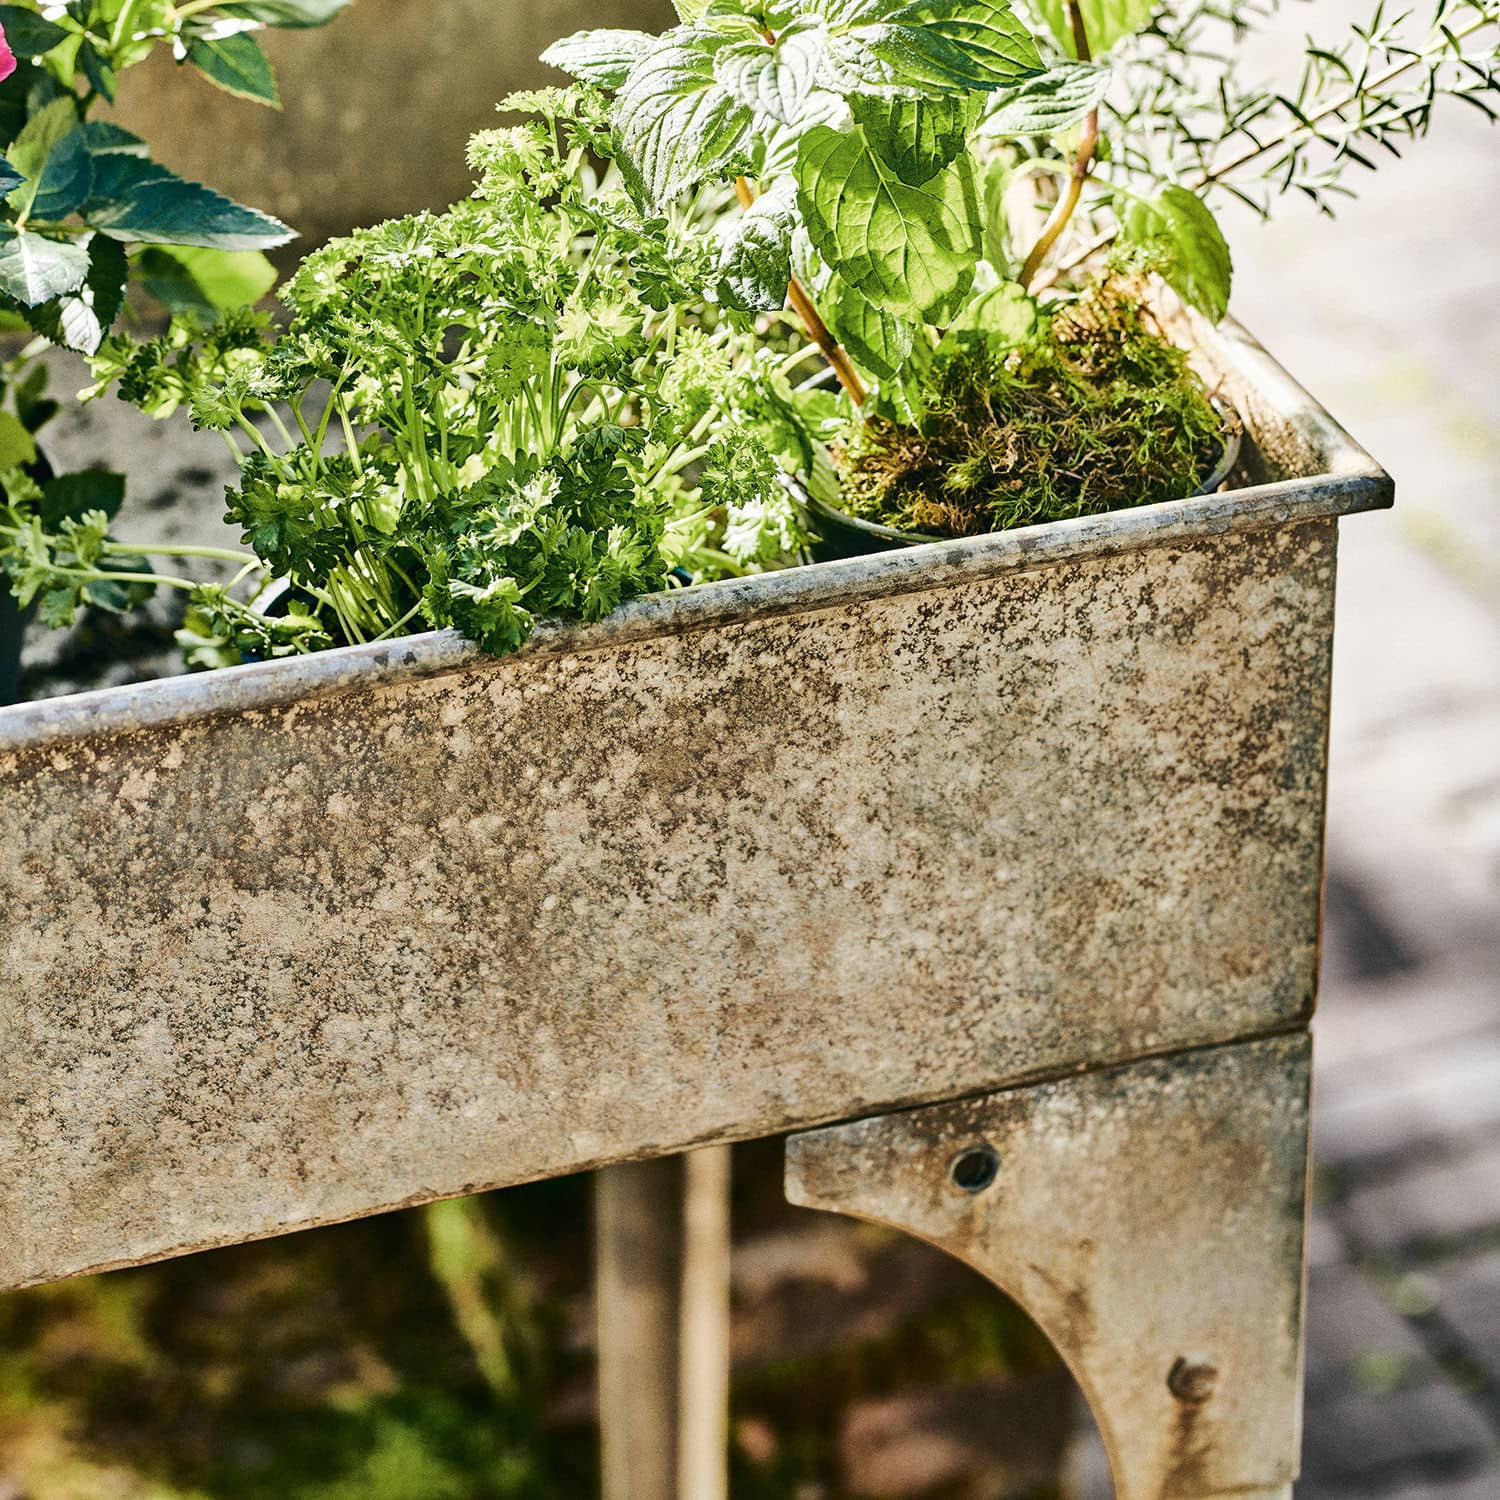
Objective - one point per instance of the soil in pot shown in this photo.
(1096, 413)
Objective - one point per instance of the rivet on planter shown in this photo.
(1192, 1380)
(974, 1168)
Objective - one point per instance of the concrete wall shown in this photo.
(377, 106)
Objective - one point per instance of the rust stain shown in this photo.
(1149, 1217)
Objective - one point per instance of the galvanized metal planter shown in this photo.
(308, 940)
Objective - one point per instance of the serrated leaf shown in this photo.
(236, 64)
(910, 250)
(879, 342)
(69, 496)
(80, 319)
(1105, 22)
(291, 14)
(140, 200)
(776, 79)
(929, 46)
(677, 123)
(27, 33)
(51, 155)
(1193, 257)
(190, 279)
(1055, 100)
(106, 139)
(9, 177)
(603, 57)
(1004, 316)
(756, 264)
(916, 138)
(34, 268)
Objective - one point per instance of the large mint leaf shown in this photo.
(677, 123)
(1105, 22)
(27, 33)
(601, 57)
(137, 199)
(916, 138)
(878, 342)
(80, 319)
(1055, 100)
(756, 265)
(926, 46)
(1003, 317)
(236, 63)
(775, 79)
(185, 278)
(290, 13)
(910, 250)
(1193, 257)
(51, 155)
(34, 268)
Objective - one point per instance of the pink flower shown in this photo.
(7, 58)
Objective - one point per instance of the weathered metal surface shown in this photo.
(1150, 1218)
(309, 940)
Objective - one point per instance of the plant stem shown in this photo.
(391, 630)
(1082, 164)
(1307, 125)
(220, 554)
(817, 329)
(98, 575)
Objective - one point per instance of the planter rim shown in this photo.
(1351, 482)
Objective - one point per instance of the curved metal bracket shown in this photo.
(1150, 1218)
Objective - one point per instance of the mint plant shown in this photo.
(890, 157)
(470, 418)
(85, 212)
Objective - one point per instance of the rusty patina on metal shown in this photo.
(1150, 1218)
(307, 940)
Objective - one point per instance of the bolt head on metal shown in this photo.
(1192, 1380)
(974, 1168)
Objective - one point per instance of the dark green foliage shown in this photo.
(84, 212)
(475, 418)
(1095, 412)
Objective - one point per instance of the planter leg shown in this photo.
(703, 1411)
(638, 1288)
(1150, 1218)
(662, 1289)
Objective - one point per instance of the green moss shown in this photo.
(1097, 412)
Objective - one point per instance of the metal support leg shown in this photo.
(1150, 1218)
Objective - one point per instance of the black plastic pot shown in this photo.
(842, 535)
(14, 619)
(12, 633)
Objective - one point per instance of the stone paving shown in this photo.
(1392, 316)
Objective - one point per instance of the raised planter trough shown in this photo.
(1006, 850)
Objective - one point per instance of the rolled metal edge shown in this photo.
(1350, 482)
